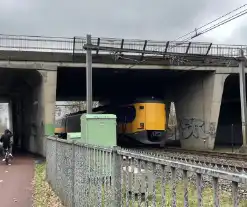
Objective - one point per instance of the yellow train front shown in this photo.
(142, 122)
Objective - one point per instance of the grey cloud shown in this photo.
(239, 36)
(141, 19)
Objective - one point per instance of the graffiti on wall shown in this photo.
(196, 128)
(212, 129)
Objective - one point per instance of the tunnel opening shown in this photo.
(123, 84)
(22, 90)
(117, 83)
(229, 131)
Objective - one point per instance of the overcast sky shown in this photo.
(141, 19)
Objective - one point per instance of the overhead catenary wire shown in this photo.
(225, 21)
(212, 21)
(239, 14)
(217, 25)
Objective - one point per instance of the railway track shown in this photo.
(223, 155)
(232, 162)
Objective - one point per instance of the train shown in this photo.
(139, 122)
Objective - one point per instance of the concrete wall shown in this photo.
(47, 104)
(26, 115)
(15, 117)
(35, 144)
(38, 115)
(197, 102)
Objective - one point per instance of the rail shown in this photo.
(223, 155)
(111, 45)
(217, 160)
(84, 175)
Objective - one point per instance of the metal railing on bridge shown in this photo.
(84, 175)
(111, 45)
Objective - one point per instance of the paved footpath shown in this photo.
(16, 182)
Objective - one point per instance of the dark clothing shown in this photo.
(6, 146)
(5, 139)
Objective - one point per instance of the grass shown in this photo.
(207, 200)
(43, 195)
(207, 196)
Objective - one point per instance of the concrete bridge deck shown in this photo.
(52, 61)
(116, 53)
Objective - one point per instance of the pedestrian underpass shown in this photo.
(22, 89)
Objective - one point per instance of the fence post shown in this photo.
(46, 165)
(56, 168)
(73, 174)
(73, 55)
(116, 178)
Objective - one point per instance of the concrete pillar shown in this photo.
(10, 122)
(47, 100)
(167, 109)
(198, 101)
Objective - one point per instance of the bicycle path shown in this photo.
(16, 182)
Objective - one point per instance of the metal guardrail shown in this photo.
(84, 175)
(110, 45)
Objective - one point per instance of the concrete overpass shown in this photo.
(37, 71)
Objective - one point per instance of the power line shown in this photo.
(214, 26)
(206, 30)
(225, 21)
(217, 25)
(212, 21)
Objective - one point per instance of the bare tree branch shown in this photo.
(72, 107)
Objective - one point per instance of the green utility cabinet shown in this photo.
(99, 129)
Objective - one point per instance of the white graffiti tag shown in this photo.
(192, 128)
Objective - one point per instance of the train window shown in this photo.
(73, 123)
(141, 107)
(130, 113)
(126, 114)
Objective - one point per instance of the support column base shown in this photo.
(198, 144)
(243, 149)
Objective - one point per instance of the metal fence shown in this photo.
(84, 175)
(129, 46)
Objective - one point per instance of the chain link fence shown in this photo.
(84, 175)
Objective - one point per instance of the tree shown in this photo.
(75, 106)
(72, 107)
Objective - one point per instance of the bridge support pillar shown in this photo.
(48, 103)
(198, 101)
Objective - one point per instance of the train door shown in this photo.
(140, 120)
